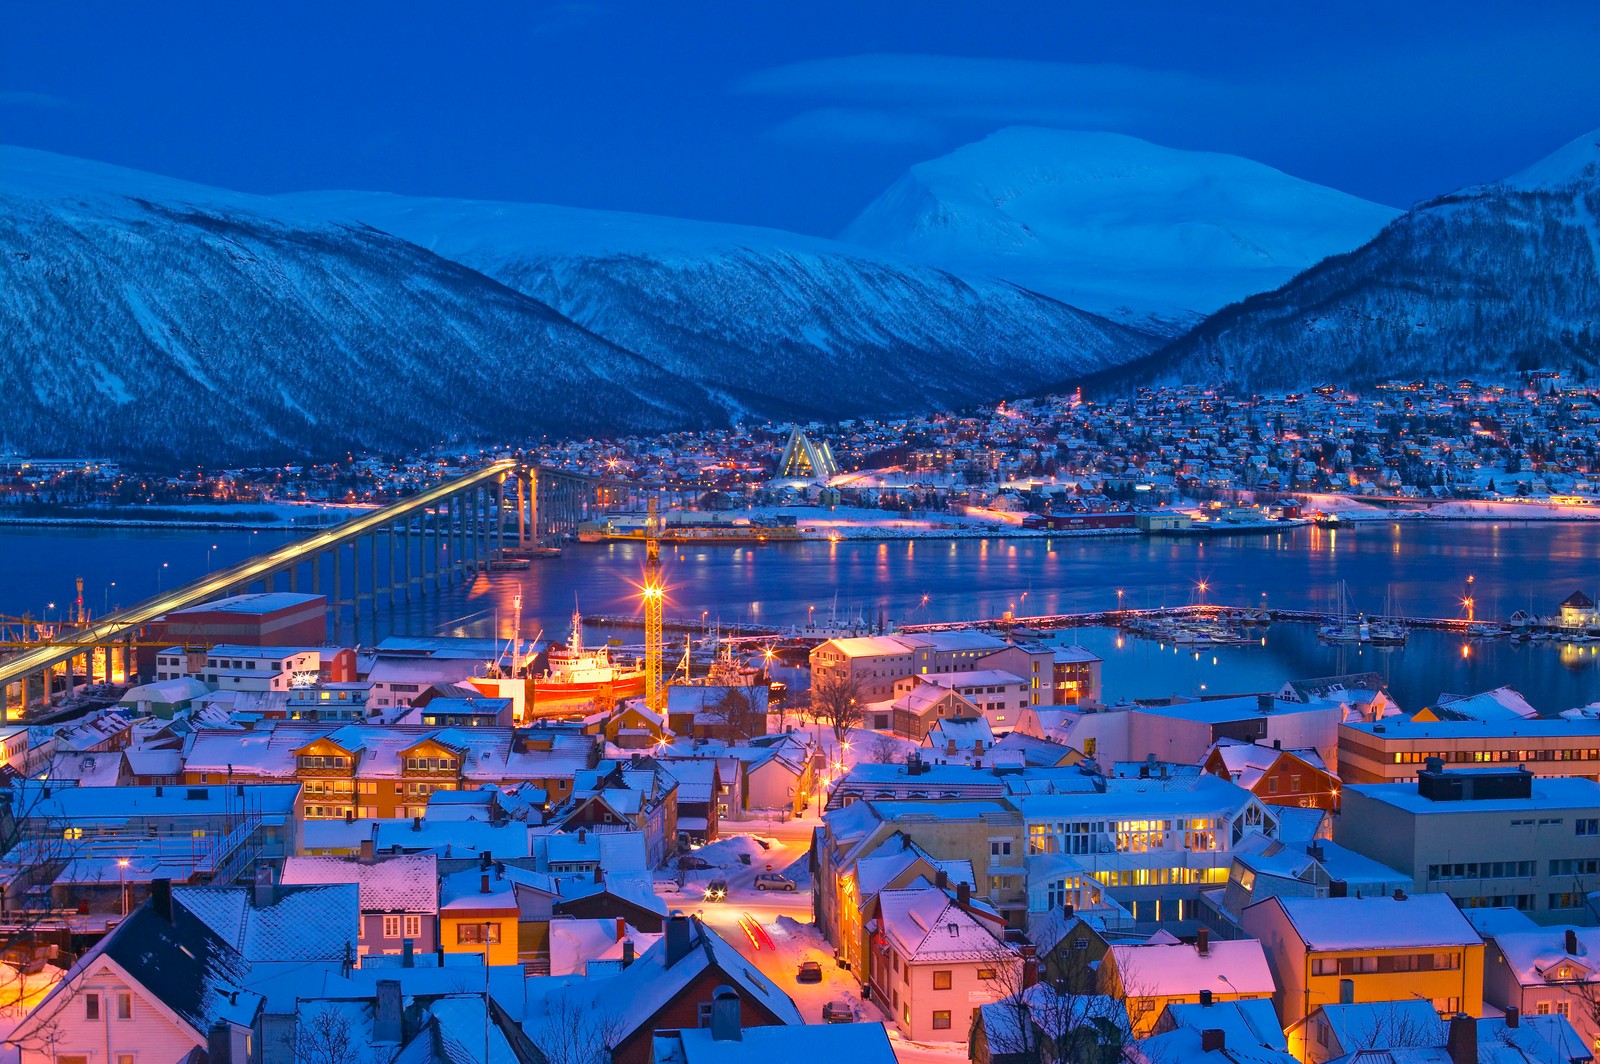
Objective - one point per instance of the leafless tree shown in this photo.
(885, 748)
(578, 1032)
(324, 1036)
(836, 702)
(735, 714)
(1065, 1022)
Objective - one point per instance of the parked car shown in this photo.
(690, 862)
(810, 972)
(717, 890)
(838, 1012)
(773, 881)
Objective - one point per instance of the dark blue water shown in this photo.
(1421, 567)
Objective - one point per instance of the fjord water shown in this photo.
(1421, 567)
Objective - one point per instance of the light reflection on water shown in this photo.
(1420, 566)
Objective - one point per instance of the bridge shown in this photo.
(444, 534)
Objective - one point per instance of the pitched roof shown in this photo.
(1326, 924)
(302, 923)
(389, 883)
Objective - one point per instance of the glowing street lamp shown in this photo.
(122, 883)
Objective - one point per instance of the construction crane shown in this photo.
(655, 593)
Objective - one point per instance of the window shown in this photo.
(1563, 1008)
(941, 980)
(1324, 966)
(391, 927)
(413, 927)
(91, 1006)
(1587, 825)
(986, 973)
(705, 1014)
(941, 1020)
(124, 1006)
(474, 934)
(1543, 1008)
(999, 848)
(124, 1058)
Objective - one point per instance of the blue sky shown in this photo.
(785, 114)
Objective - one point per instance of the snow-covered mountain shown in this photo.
(773, 321)
(1119, 226)
(1488, 281)
(146, 316)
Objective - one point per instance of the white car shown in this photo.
(773, 881)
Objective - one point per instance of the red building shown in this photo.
(269, 619)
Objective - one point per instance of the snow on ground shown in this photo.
(19, 994)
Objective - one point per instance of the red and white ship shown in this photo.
(577, 675)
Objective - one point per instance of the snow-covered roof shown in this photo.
(925, 924)
(1549, 793)
(866, 1043)
(1168, 968)
(390, 883)
(1343, 924)
(1537, 957)
(306, 923)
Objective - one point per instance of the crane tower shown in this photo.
(655, 692)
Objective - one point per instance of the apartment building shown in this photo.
(1393, 750)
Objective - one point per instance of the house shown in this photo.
(398, 895)
(1409, 1029)
(635, 726)
(626, 796)
(699, 785)
(730, 713)
(1275, 775)
(724, 1039)
(912, 713)
(1161, 972)
(997, 695)
(478, 913)
(1500, 704)
(1368, 949)
(958, 739)
(159, 986)
(669, 986)
(935, 961)
(1577, 611)
(1546, 971)
(267, 922)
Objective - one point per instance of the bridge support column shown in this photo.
(500, 518)
(437, 517)
(372, 576)
(338, 606)
(522, 510)
(393, 542)
(405, 552)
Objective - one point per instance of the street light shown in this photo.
(122, 883)
(208, 556)
(161, 572)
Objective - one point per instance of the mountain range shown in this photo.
(1142, 233)
(142, 316)
(1491, 281)
(145, 316)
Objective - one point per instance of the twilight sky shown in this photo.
(776, 113)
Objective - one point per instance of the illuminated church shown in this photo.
(804, 459)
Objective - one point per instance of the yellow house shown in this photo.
(478, 914)
(1324, 951)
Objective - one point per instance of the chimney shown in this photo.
(941, 878)
(219, 1043)
(483, 883)
(1513, 1017)
(627, 952)
(266, 887)
(484, 861)
(408, 953)
(1347, 991)
(1202, 941)
(160, 790)
(1030, 964)
(622, 928)
(1571, 941)
(1462, 1043)
(368, 851)
(416, 823)
(386, 1025)
(963, 893)
(1277, 744)
(1314, 851)
(1067, 910)
(581, 834)
(677, 937)
(161, 898)
(1213, 1040)
(1205, 999)
(725, 1025)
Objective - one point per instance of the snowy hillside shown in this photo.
(1116, 225)
(1488, 281)
(773, 321)
(141, 315)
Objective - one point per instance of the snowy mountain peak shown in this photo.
(1574, 162)
(1113, 223)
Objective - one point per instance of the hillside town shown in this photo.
(955, 846)
(1401, 445)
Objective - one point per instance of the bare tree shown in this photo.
(836, 702)
(885, 748)
(1065, 1022)
(323, 1037)
(578, 1032)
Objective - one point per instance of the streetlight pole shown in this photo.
(161, 572)
(122, 884)
(208, 556)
